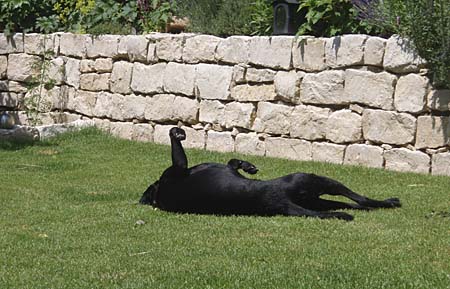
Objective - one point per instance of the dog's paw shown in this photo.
(177, 133)
(393, 202)
(249, 168)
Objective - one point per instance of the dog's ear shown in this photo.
(149, 196)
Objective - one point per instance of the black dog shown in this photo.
(212, 188)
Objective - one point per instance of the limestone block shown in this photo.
(388, 127)
(432, 132)
(143, 132)
(238, 115)
(441, 164)
(109, 105)
(308, 53)
(134, 107)
(22, 67)
(94, 81)
(234, 49)
(344, 126)
(364, 155)
(211, 111)
(293, 149)
(239, 73)
(38, 43)
(374, 51)
(404, 160)
(194, 138)
(103, 124)
(87, 65)
(134, 47)
(179, 78)
(66, 98)
(260, 75)
(245, 92)
(272, 118)
(326, 87)
(121, 77)
(213, 81)
(220, 141)
(369, 88)
(439, 100)
(250, 144)
(148, 78)
(56, 71)
(73, 45)
(185, 109)
(49, 98)
(84, 102)
(102, 46)
(160, 107)
(328, 153)
(273, 52)
(10, 99)
(4, 85)
(103, 65)
(410, 93)
(161, 134)
(347, 50)
(200, 48)
(122, 130)
(401, 57)
(151, 54)
(309, 122)
(169, 47)
(287, 85)
(72, 70)
(14, 45)
(3, 66)
(13, 86)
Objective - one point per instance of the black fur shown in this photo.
(212, 188)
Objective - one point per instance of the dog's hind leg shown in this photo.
(295, 210)
(319, 204)
(335, 188)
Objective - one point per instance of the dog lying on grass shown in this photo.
(212, 188)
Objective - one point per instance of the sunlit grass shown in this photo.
(69, 219)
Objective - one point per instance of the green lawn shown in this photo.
(69, 213)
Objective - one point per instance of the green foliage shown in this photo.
(155, 14)
(426, 23)
(261, 17)
(224, 18)
(330, 18)
(21, 15)
(111, 17)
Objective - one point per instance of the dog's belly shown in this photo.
(215, 189)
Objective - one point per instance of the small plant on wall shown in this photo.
(36, 98)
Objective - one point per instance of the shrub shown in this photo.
(154, 15)
(425, 22)
(224, 18)
(21, 15)
(330, 18)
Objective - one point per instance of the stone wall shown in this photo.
(353, 99)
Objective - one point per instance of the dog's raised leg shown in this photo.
(179, 159)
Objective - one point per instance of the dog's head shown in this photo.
(150, 196)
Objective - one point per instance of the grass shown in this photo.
(69, 219)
